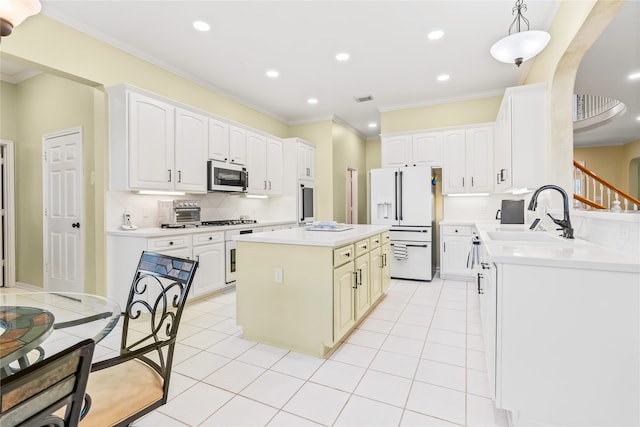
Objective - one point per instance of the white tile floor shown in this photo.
(416, 360)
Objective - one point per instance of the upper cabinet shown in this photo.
(218, 140)
(467, 160)
(521, 139)
(422, 149)
(306, 160)
(264, 163)
(237, 145)
(154, 145)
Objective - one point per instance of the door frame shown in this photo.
(351, 199)
(45, 203)
(9, 241)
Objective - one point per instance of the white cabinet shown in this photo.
(343, 299)
(208, 250)
(421, 149)
(487, 290)
(218, 140)
(192, 132)
(521, 139)
(237, 145)
(467, 160)
(154, 145)
(306, 160)
(454, 251)
(264, 164)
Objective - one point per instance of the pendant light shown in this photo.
(13, 12)
(521, 45)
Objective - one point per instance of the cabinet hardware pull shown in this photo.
(269, 185)
(497, 178)
(169, 175)
(265, 185)
(75, 225)
(179, 176)
(472, 181)
(355, 284)
(210, 238)
(170, 243)
(444, 246)
(463, 181)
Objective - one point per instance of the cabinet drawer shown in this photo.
(457, 230)
(374, 241)
(172, 242)
(208, 238)
(362, 247)
(385, 237)
(342, 255)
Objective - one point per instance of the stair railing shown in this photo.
(593, 192)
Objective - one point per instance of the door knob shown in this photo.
(75, 225)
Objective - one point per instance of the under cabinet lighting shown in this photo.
(467, 195)
(256, 196)
(521, 191)
(162, 193)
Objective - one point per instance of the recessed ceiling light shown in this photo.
(634, 76)
(312, 101)
(443, 77)
(272, 73)
(435, 35)
(638, 118)
(201, 26)
(373, 125)
(342, 56)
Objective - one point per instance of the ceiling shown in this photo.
(391, 57)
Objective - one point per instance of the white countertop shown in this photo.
(563, 253)
(302, 236)
(160, 232)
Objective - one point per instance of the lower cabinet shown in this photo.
(454, 251)
(124, 254)
(343, 298)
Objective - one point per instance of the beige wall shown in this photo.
(8, 111)
(458, 113)
(349, 151)
(606, 162)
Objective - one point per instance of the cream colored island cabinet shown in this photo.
(306, 290)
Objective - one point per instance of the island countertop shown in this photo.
(306, 237)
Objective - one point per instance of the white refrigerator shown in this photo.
(403, 199)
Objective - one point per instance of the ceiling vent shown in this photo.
(363, 98)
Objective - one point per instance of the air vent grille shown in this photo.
(363, 98)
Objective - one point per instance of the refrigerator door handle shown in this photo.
(400, 201)
(396, 195)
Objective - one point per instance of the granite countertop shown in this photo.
(160, 232)
(305, 237)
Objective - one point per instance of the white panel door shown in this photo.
(454, 162)
(63, 199)
(274, 166)
(237, 145)
(218, 140)
(257, 163)
(479, 159)
(383, 196)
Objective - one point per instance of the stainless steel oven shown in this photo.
(230, 251)
(223, 176)
(306, 201)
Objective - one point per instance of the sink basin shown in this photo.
(523, 236)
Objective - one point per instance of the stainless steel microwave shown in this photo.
(223, 176)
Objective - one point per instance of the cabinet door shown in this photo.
(427, 149)
(306, 161)
(237, 145)
(274, 167)
(151, 143)
(375, 274)
(257, 163)
(211, 270)
(363, 285)
(455, 251)
(454, 162)
(396, 151)
(218, 140)
(479, 160)
(502, 148)
(192, 140)
(343, 300)
(385, 277)
(488, 313)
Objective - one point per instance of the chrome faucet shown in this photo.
(565, 223)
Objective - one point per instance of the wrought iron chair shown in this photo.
(30, 397)
(128, 386)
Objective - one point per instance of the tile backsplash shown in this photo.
(214, 206)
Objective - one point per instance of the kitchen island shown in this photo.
(305, 290)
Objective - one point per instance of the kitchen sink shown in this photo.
(523, 236)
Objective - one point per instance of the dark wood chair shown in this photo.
(30, 397)
(128, 386)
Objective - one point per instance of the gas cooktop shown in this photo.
(229, 222)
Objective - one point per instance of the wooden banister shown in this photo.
(603, 184)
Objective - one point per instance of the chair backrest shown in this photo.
(30, 396)
(156, 300)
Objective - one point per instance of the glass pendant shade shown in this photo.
(518, 47)
(14, 12)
